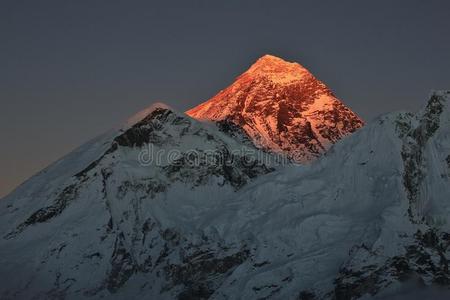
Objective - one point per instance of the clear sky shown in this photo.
(70, 70)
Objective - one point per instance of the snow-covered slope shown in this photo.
(370, 214)
(283, 108)
(109, 210)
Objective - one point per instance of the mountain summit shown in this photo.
(283, 108)
(277, 69)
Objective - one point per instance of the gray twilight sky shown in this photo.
(70, 70)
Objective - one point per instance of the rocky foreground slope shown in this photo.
(211, 221)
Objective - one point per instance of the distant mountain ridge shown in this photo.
(283, 108)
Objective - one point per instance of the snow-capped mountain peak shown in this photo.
(283, 108)
(276, 69)
(137, 117)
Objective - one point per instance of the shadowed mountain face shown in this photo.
(283, 108)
